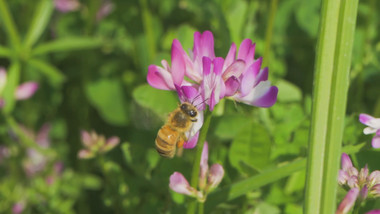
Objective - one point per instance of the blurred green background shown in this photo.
(91, 68)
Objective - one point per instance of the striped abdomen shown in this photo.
(166, 141)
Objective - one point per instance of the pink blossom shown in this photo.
(94, 144)
(203, 79)
(348, 201)
(65, 6)
(373, 127)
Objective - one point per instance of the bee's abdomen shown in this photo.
(166, 141)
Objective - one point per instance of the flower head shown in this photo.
(65, 6)
(95, 143)
(204, 79)
(23, 91)
(362, 184)
(36, 161)
(209, 178)
(373, 127)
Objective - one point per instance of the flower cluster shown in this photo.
(204, 79)
(95, 144)
(373, 127)
(23, 91)
(209, 179)
(362, 184)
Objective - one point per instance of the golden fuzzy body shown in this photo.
(172, 134)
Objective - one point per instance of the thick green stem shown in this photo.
(333, 62)
(198, 155)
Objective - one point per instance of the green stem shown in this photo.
(333, 62)
(10, 26)
(198, 155)
(269, 31)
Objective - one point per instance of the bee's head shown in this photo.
(189, 109)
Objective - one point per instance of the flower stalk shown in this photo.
(197, 160)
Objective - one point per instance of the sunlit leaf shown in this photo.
(108, 98)
(252, 146)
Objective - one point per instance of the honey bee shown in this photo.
(172, 134)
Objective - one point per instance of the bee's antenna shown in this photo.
(192, 102)
(201, 102)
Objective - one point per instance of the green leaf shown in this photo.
(307, 16)
(236, 18)
(288, 92)
(108, 98)
(264, 208)
(125, 148)
(241, 188)
(230, 125)
(13, 78)
(68, 44)
(52, 73)
(251, 147)
(40, 20)
(5, 52)
(159, 101)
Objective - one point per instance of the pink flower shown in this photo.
(65, 6)
(204, 79)
(18, 207)
(209, 179)
(35, 161)
(373, 127)
(361, 183)
(95, 143)
(179, 184)
(374, 212)
(23, 91)
(105, 9)
(348, 201)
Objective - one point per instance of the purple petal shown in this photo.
(179, 184)
(342, 177)
(249, 77)
(203, 45)
(104, 10)
(203, 166)
(365, 118)
(262, 76)
(374, 178)
(86, 138)
(2, 103)
(232, 85)
(218, 65)
(111, 143)
(374, 212)
(3, 79)
(65, 6)
(206, 65)
(216, 175)
(376, 142)
(26, 90)
(18, 207)
(192, 142)
(244, 49)
(85, 154)
(263, 95)
(230, 58)
(235, 69)
(375, 190)
(363, 193)
(348, 201)
(178, 63)
(346, 162)
(159, 78)
(43, 136)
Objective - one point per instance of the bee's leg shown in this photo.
(181, 141)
